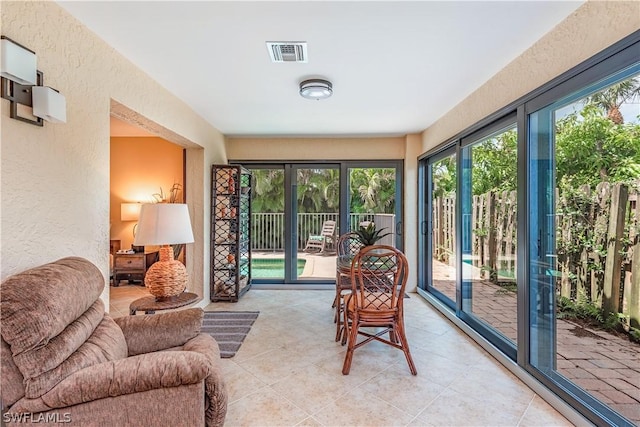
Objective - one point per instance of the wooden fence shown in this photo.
(597, 243)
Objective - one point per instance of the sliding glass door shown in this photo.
(299, 210)
(373, 193)
(488, 231)
(441, 237)
(584, 175)
(530, 235)
(268, 223)
(315, 219)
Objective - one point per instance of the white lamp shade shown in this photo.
(130, 211)
(49, 104)
(163, 224)
(17, 63)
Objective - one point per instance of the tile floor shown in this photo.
(288, 371)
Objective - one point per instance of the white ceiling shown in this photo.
(396, 67)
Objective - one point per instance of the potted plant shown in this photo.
(369, 235)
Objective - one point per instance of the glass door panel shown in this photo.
(299, 209)
(267, 223)
(316, 207)
(488, 204)
(372, 199)
(443, 177)
(584, 214)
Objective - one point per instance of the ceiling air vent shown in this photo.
(287, 51)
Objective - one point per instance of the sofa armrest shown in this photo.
(156, 332)
(124, 376)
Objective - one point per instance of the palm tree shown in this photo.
(372, 190)
(268, 191)
(612, 98)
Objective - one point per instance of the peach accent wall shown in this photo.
(593, 27)
(139, 168)
(55, 179)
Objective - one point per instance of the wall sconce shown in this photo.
(18, 62)
(24, 86)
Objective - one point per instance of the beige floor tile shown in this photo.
(452, 408)
(359, 408)
(272, 366)
(399, 388)
(309, 422)
(288, 371)
(539, 413)
(240, 383)
(490, 386)
(312, 387)
(265, 407)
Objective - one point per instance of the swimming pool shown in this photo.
(271, 267)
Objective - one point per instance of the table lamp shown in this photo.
(165, 224)
(131, 212)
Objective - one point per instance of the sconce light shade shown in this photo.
(18, 63)
(130, 211)
(49, 104)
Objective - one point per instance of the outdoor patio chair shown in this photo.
(378, 280)
(347, 247)
(320, 242)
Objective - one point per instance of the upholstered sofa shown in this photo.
(65, 360)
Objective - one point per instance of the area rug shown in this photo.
(228, 328)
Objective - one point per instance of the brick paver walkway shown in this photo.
(605, 365)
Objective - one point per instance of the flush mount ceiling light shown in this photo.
(316, 89)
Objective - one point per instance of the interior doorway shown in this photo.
(188, 165)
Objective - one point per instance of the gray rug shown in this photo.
(228, 328)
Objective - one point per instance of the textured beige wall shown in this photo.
(591, 28)
(410, 207)
(55, 179)
(315, 148)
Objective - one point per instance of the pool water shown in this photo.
(268, 267)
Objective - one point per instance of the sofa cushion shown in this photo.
(12, 386)
(126, 376)
(55, 324)
(38, 304)
(152, 333)
(36, 361)
(107, 343)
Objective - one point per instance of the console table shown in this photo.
(149, 304)
(132, 266)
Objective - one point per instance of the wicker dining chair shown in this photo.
(378, 279)
(347, 247)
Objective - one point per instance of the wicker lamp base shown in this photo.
(167, 278)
